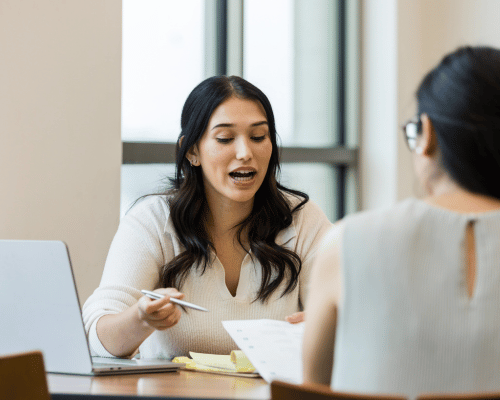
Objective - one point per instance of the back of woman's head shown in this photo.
(198, 109)
(461, 96)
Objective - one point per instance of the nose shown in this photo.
(243, 149)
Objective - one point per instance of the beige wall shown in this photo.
(60, 146)
(401, 41)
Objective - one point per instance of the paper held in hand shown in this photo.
(273, 347)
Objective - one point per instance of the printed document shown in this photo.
(273, 347)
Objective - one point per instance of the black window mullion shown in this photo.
(221, 44)
(339, 156)
(341, 106)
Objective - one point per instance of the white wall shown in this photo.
(401, 40)
(60, 145)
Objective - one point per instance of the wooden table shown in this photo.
(174, 384)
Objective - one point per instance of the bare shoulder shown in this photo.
(328, 264)
(332, 239)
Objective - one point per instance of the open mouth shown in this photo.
(242, 176)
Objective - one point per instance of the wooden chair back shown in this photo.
(287, 391)
(22, 376)
(460, 396)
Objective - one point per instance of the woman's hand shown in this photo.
(160, 314)
(297, 317)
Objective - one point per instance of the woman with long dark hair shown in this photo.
(409, 297)
(226, 236)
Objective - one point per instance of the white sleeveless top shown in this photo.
(406, 323)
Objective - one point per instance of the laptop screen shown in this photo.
(40, 308)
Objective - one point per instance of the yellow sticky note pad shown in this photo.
(213, 360)
(190, 364)
(242, 363)
(236, 363)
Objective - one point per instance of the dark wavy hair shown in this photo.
(271, 211)
(461, 96)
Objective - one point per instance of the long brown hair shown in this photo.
(271, 212)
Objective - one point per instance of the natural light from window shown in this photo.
(163, 60)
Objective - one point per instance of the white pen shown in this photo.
(158, 296)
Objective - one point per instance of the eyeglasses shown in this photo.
(411, 130)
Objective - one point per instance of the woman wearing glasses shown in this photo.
(409, 297)
(227, 236)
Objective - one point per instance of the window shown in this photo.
(296, 51)
(163, 60)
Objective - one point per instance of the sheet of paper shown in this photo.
(273, 347)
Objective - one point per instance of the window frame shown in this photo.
(340, 156)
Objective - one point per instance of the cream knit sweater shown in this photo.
(146, 240)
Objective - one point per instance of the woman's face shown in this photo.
(234, 151)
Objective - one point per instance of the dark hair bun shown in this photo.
(462, 98)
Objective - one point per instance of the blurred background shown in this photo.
(293, 50)
(91, 93)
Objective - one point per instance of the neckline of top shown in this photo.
(467, 215)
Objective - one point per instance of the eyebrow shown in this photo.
(232, 125)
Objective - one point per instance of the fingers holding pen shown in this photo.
(165, 317)
(156, 305)
(160, 314)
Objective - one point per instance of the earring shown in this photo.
(419, 150)
(193, 161)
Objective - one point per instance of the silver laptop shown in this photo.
(39, 310)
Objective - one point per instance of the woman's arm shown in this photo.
(324, 295)
(311, 226)
(122, 334)
(117, 318)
